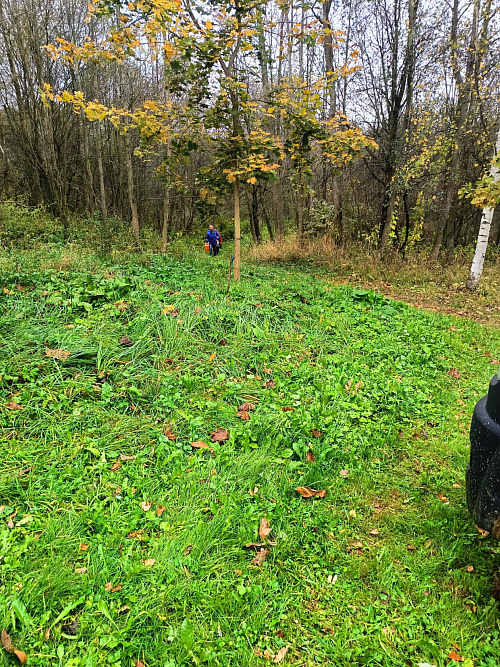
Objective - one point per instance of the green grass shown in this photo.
(372, 375)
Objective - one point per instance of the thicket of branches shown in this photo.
(420, 79)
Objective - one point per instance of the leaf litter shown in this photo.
(10, 648)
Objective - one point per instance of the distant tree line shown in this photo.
(418, 80)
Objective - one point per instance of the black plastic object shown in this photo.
(483, 471)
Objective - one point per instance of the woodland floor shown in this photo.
(121, 544)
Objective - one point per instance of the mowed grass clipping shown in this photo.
(120, 543)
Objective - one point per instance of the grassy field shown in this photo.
(122, 544)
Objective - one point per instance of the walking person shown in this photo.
(213, 238)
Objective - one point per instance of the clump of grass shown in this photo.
(109, 521)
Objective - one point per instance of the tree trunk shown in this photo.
(130, 190)
(166, 220)
(476, 269)
(237, 231)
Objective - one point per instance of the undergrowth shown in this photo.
(120, 542)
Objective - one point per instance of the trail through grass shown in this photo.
(120, 543)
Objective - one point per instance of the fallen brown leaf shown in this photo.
(268, 370)
(358, 385)
(46, 634)
(160, 510)
(254, 492)
(126, 341)
(258, 652)
(84, 547)
(222, 342)
(344, 473)
(483, 532)
(108, 587)
(453, 655)
(374, 532)
(411, 547)
(285, 409)
(264, 529)
(13, 406)
(197, 310)
(59, 354)
(270, 384)
(199, 444)
(9, 647)
(469, 568)
(306, 492)
(348, 386)
(123, 609)
(139, 663)
(260, 557)
(442, 498)
(146, 506)
(81, 570)
(281, 654)
(316, 433)
(253, 545)
(212, 357)
(243, 415)
(124, 457)
(220, 435)
(116, 465)
(135, 533)
(310, 458)
(247, 407)
(454, 373)
(168, 310)
(149, 562)
(115, 589)
(24, 472)
(456, 486)
(169, 435)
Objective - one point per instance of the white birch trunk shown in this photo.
(476, 269)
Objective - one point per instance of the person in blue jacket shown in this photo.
(213, 239)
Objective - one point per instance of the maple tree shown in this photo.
(209, 102)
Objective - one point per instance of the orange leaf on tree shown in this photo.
(306, 492)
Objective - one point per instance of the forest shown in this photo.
(365, 121)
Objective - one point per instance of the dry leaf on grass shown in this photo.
(149, 562)
(117, 588)
(264, 529)
(254, 492)
(306, 492)
(456, 486)
(260, 557)
(348, 386)
(285, 409)
(247, 407)
(316, 433)
(13, 406)
(222, 342)
(108, 587)
(243, 415)
(160, 510)
(453, 655)
(442, 497)
(220, 435)
(454, 373)
(212, 357)
(344, 473)
(125, 341)
(253, 545)
(168, 309)
(374, 532)
(169, 435)
(199, 444)
(469, 568)
(123, 609)
(81, 570)
(270, 384)
(139, 663)
(124, 457)
(8, 646)
(146, 506)
(116, 465)
(59, 354)
(310, 458)
(281, 654)
(482, 532)
(84, 547)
